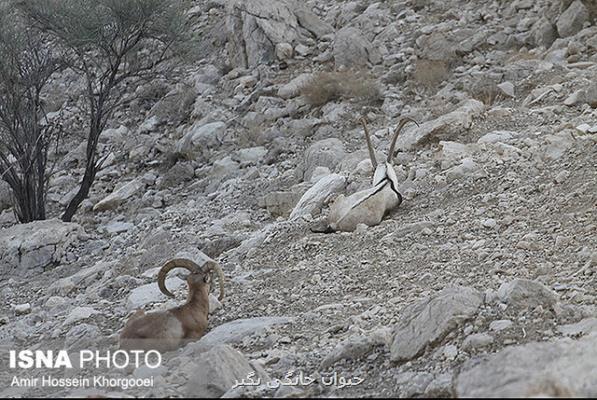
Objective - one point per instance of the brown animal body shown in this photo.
(171, 329)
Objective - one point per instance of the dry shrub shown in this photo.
(485, 90)
(430, 73)
(176, 106)
(522, 54)
(173, 157)
(348, 85)
(148, 95)
(592, 7)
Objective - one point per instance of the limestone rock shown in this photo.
(476, 341)
(251, 155)
(557, 145)
(353, 50)
(293, 88)
(150, 293)
(571, 21)
(583, 327)
(526, 293)
(462, 118)
(254, 28)
(453, 153)
(82, 278)
(497, 136)
(235, 331)
(543, 32)
(280, 204)
(22, 309)
(467, 168)
(81, 336)
(564, 368)
(176, 106)
(28, 249)
(224, 167)
(200, 138)
(356, 346)
(117, 197)
(429, 320)
(324, 153)
(216, 371)
(284, 51)
(314, 199)
(78, 314)
(446, 46)
(311, 22)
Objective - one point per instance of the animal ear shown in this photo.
(207, 278)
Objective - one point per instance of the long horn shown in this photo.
(211, 266)
(401, 124)
(170, 265)
(369, 145)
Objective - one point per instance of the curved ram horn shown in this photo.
(369, 145)
(170, 265)
(211, 266)
(401, 124)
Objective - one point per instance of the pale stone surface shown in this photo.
(119, 196)
(27, 249)
(254, 28)
(235, 331)
(460, 118)
(150, 293)
(316, 196)
(213, 373)
(353, 50)
(572, 20)
(561, 368)
(429, 320)
(526, 293)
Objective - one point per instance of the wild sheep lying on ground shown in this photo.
(168, 330)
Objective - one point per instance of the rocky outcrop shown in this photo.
(430, 320)
(564, 368)
(201, 138)
(324, 153)
(29, 249)
(353, 50)
(571, 21)
(256, 27)
(213, 373)
(120, 195)
(314, 198)
(461, 118)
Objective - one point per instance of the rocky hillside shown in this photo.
(483, 282)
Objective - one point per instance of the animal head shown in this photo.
(390, 158)
(384, 174)
(200, 277)
(369, 206)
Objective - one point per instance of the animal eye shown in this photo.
(206, 279)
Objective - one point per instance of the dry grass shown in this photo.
(173, 157)
(148, 95)
(430, 73)
(176, 106)
(521, 55)
(348, 85)
(592, 7)
(486, 90)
